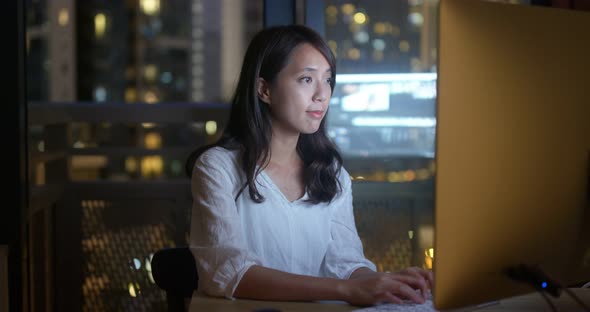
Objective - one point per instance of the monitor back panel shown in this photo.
(513, 134)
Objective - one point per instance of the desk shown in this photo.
(199, 303)
(531, 302)
(534, 302)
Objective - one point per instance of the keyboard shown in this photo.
(404, 307)
(407, 306)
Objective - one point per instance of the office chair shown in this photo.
(174, 270)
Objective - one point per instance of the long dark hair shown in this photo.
(249, 126)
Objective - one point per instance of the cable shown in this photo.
(577, 299)
(540, 281)
(549, 302)
(534, 277)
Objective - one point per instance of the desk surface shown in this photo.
(200, 303)
(531, 302)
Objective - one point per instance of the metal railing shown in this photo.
(104, 224)
(60, 214)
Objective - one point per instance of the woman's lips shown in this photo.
(316, 114)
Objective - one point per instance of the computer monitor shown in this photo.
(512, 148)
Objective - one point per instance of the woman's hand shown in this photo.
(366, 287)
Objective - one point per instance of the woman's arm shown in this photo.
(216, 236)
(269, 284)
(367, 289)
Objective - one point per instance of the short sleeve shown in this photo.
(345, 250)
(216, 238)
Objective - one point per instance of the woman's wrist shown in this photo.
(363, 271)
(343, 289)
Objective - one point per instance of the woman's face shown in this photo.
(300, 94)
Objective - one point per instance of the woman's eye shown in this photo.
(329, 80)
(306, 79)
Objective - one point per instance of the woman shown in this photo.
(272, 216)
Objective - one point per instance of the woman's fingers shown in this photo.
(430, 277)
(405, 291)
(411, 284)
(413, 281)
(425, 274)
(388, 297)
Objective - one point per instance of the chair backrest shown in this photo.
(174, 270)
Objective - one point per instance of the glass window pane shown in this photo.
(162, 51)
(142, 51)
(152, 82)
(383, 119)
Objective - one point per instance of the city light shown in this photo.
(379, 28)
(150, 97)
(404, 46)
(153, 140)
(100, 25)
(166, 77)
(136, 263)
(423, 174)
(131, 164)
(331, 10)
(148, 268)
(428, 258)
(130, 95)
(348, 8)
(379, 44)
(63, 17)
(409, 175)
(132, 291)
(150, 7)
(211, 127)
(354, 54)
(150, 72)
(100, 94)
(416, 18)
(151, 166)
(360, 18)
(79, 144)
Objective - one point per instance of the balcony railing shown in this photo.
(99, 235)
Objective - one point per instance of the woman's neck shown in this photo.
(283, 150)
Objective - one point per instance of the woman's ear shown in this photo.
(263, 90)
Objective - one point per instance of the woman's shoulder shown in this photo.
(344, 178)
(218, 153)
(218, 158)
(218, 165)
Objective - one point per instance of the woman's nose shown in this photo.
(322, 93)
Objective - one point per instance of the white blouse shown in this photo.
(229, 235)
